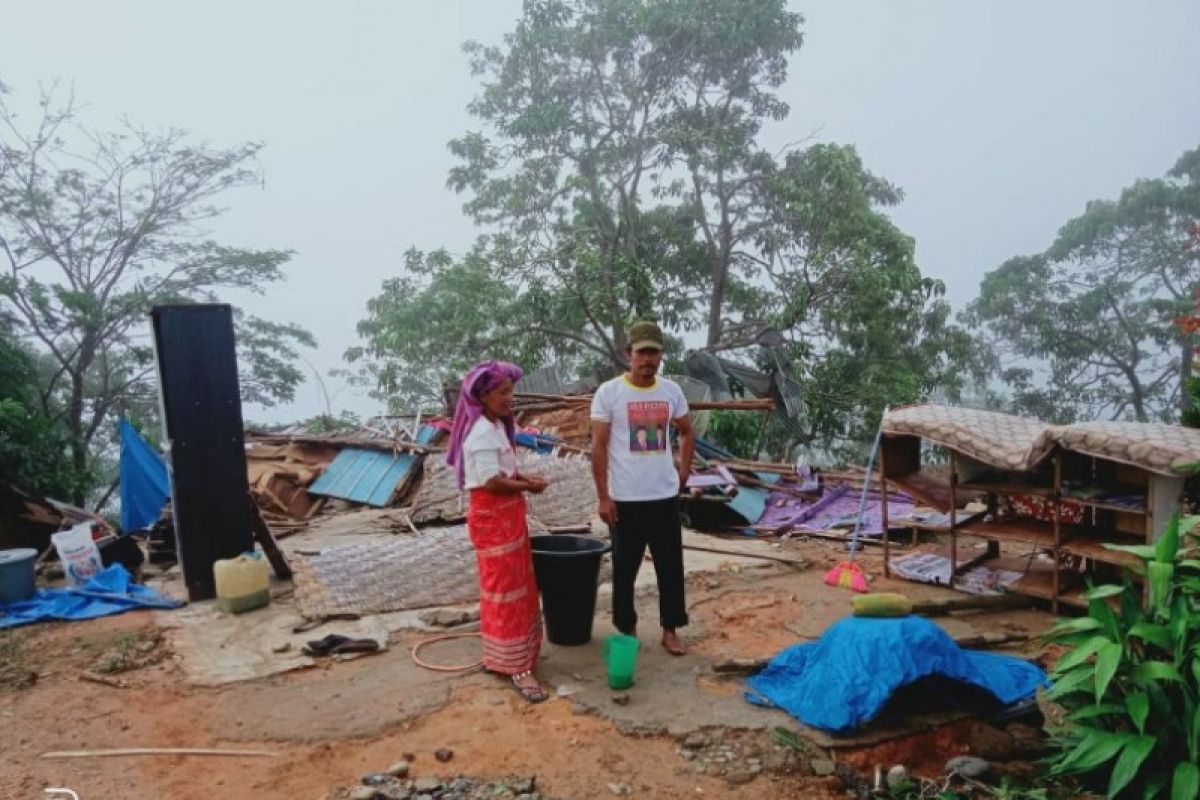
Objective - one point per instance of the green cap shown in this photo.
(645, 335)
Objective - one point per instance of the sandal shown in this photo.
(534, 694)
(334, 644)
(323, 647)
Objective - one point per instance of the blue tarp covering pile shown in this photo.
(144, 483)
(845, 678)
(109, 592)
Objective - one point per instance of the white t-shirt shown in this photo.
(487, 452)
(639, 443)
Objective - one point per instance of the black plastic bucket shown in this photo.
(568, 570)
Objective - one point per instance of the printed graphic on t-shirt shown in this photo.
(648, 426)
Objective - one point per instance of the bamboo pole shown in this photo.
(157, 751)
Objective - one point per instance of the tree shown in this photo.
(1085, 329)
(32, 450)
(1189, 326)
(95, 229)
(617, 174)
(590, 110)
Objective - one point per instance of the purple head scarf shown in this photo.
(480, 380)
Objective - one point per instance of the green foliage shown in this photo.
(736, 431)
(1130, 684)
(618, 173)
(32, 449)
(1085, 329)
(95, 229)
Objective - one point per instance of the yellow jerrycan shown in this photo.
(243, 583)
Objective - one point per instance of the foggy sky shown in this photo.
(1000, 120)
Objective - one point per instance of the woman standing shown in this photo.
(482, 451)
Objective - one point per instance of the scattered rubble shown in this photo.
(377, 786)
(968, 766)
(449, 617)
(741, 756)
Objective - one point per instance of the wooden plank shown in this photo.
(262, 535)
(1020, 530)
(1090, 545)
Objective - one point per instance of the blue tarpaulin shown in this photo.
(145, 486)
(109, 592)
(845, 678)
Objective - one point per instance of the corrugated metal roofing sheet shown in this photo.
(365, 476)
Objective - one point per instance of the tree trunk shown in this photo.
(1186, 364)
(79, 455)
(716, 301)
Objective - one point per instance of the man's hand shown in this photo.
(608, 511)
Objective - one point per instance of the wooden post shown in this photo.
(953, 516)
(883, 508)
(1057, 527)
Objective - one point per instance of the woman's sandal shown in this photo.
(534, 694)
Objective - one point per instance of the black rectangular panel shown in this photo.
(202, 413)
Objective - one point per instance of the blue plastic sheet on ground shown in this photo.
(144, 483)
(111, 591)
(845, 678)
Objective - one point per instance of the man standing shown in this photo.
(638, 483)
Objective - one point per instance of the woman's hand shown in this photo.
(535, 484)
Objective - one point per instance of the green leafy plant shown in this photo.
(1131, 682)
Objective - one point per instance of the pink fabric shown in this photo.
(480, 379)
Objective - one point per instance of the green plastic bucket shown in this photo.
(620, 656)
(17, 575)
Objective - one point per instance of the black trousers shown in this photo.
(653, 524)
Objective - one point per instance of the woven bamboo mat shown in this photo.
(570, 500)
(436, 568)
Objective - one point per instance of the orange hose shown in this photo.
(438, 667)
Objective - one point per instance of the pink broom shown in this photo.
(847, 574)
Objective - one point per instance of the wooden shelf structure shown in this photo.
(1076, 548)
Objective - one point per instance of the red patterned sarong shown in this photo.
(510, 617)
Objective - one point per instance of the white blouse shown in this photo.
(486, 453)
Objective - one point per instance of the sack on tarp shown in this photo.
(78, 552)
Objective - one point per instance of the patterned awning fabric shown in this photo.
(1017, 443)
(1165, 449)
(1004, 441)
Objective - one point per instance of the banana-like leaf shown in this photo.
(1081, 653)
(1101, 710)
(1095, 748)
(1100, 592)
(1194, 735)
(1157, 635)
(1138, 705)
(1150, 671)
(1185, 783)
(1081, 679)
(1140, 550)
(1077, 625)
(1133, 755)
(1167, 547)
(1161, 574)
(1108, 658)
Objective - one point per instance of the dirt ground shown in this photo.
(492, 733)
